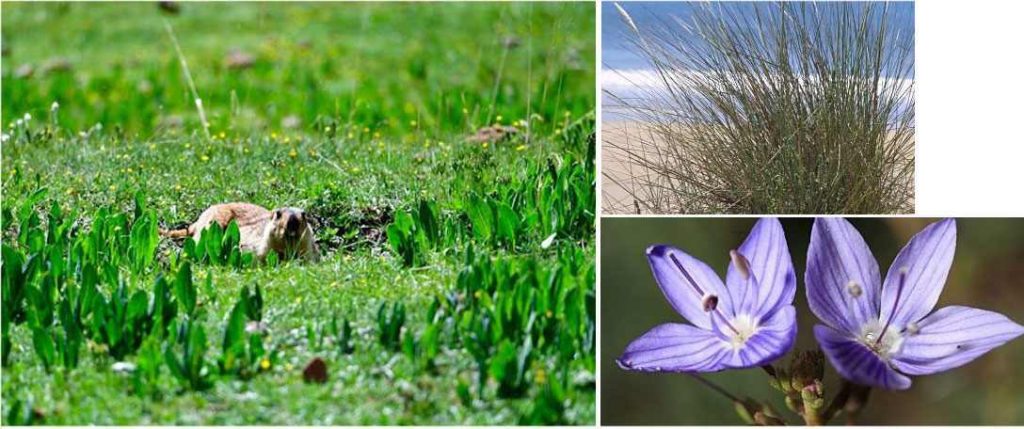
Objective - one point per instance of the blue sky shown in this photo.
(615, 47)
(619, 63)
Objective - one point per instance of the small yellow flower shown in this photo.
(327, 129)
(222, 134)
(293, 153)
(541, 376)
(152, 146)
(188, 145)
(376, 134)
(112, 188)
(520, 148)
(287, 139)
(366, 129)
(205, 158)
(265, 364)
(499, 118)
(351, 136)
(273, 136)
(71, 191)
(412, 123)
(485, 145)
(465, 111)
(355, 169)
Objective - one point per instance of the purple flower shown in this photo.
(748, 321)
(877, 335)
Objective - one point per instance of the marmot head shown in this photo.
(289, 223)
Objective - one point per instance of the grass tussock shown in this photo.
(771, 108)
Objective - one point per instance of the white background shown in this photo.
(970, 116)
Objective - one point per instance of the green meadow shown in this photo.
(445, 153)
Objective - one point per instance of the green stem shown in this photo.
(714, 387)
(838, 402)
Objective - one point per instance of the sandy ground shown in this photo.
(620, 187)
(617, 172)
(616, 184)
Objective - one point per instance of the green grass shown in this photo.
(385, 96)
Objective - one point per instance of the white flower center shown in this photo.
(890, 342)
(745, 326)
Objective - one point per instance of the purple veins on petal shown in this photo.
(857, 362)
(877, 338)
(837, 258)
(953, 336)
(741, 323)
(926, 260)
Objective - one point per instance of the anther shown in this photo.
(704, 297)
(854, 289)
(741, 263)
(710, 302)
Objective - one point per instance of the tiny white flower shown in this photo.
(17, 123)
(54, 106)
(28, 117)
(5, 137)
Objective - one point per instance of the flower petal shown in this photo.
(856, 362)
(772, 266)
(681, 294)
(951, 337)
(927, 258)
(774, 338)
(675, 347)
(842, 276)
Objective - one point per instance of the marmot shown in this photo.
(284, 230)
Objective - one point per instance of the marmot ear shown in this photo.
(277, 214)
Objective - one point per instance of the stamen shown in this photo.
(741, 263)
(710, 302)
(913, 329)
(895, 304)
(703, 296)
(854, 289)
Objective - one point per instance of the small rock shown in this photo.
(24, 71)
(171, 121)
(291, 122)
(169, 7)
(56, 65)
(255, 327)
(315, 372)
(492, 134)
(123, 367)
(511, 42)
(239, 60)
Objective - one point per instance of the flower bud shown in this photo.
(807, 367)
